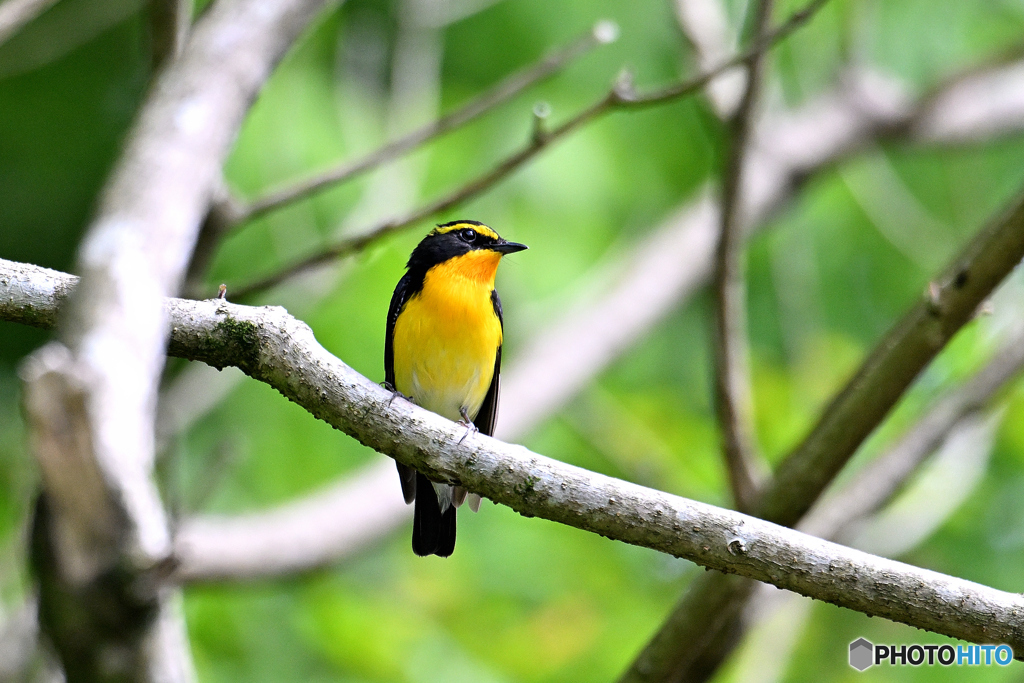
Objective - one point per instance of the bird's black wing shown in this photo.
(488, 414)
(403, 292)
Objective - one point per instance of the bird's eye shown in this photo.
(468, 235)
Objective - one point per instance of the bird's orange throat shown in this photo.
(478, 266)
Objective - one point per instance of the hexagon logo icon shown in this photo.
(862, 654)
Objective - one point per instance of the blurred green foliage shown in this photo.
(525, 599)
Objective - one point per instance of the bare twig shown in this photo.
(228, 211)
(273, 347)
(706, 26)
(16, 13)
(101, 542)
(604, 32)
(733, 399)
(622, 97)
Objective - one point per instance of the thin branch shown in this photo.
(879, 482)
(733, 395)
(273, 347)
(101, 540)
(14, 14)
(950, 301)
(604, 32)
(622, 97)
(706, 27)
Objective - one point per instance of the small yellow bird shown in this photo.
(443, 352)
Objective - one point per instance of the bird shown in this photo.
(442, 351)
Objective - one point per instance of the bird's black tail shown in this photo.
(433, 532)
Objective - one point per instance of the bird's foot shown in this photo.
(395, 393)
(467, 423)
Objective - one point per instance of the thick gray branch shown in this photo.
(305, 534)
(275, 348)
(101, 536)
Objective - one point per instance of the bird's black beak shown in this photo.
(504, 247)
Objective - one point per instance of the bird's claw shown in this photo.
(470, 429)
(395, 393)
(467, 423)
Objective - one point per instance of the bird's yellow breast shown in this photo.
(447, 336)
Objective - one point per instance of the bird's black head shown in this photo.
(455, 239)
